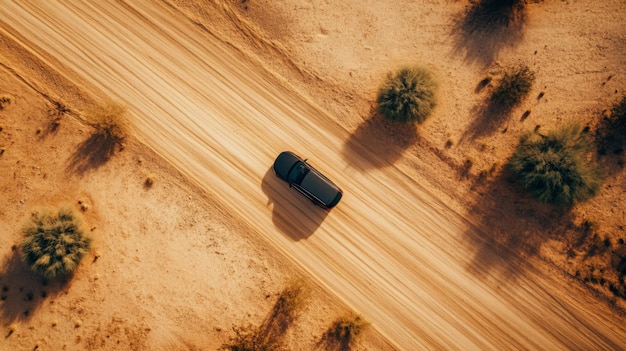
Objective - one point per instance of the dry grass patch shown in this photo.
(344, 332)
(269, 336)
(4, 100)
(109, 122)
(110, 130)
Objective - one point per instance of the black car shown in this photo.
(307, 180)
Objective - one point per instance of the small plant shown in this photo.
(54, 243)
(345, 330)
(58, 109)
(513, 86)
(407, 96)
(149, 182)
(555, 168)
(4, 100)
(109, 123)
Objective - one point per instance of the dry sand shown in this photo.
(433, 257)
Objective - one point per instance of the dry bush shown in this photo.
(110, 130)
(344, 332)
(109, 122)
(269, 336)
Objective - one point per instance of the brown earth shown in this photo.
(435, 251)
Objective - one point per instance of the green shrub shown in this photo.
(109, 122)
(407, 96)
(513, 86)
(54, 243)
(555, 168)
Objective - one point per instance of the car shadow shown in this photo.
(293, 214)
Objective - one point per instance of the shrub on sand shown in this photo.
(54, 243)
(109, 122)
(513, 86)
(555, 167)
(345, 330)
(408, 95)
(269, 336)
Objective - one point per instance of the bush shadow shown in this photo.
(289, 208)
(378, 142)
(509, 226)
(610, 142)
(283, 314)
(92, 153)
(329, 342)
(270, 335)
(22, 290)
(487, 27)
(489, 116)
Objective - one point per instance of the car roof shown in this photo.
(320, 187)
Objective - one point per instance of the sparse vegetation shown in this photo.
(269, 336)
(56, 112)
(58, 109)
(344, 331)
(555, 168)
(109, 123)
(408, 95)
(110, 130)
(54, 243)
(250, 338)
(513, 86)
(4, 100)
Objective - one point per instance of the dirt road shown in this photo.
(390, 250)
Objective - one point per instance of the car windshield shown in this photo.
(297, 173)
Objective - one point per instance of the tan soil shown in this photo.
(432, 253)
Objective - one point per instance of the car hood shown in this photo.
(283, 164)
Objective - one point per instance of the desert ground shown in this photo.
(432, 244)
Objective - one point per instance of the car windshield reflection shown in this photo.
(297, 173)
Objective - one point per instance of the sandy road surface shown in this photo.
(389, 250)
